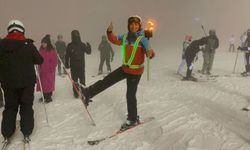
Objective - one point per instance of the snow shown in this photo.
(189, 115)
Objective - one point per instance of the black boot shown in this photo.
(26, 139)
(84, 93)
(129, 124)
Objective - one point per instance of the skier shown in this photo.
(209, 52)
(246, 48)
(191, 53)
(134, 47)
(105, 52)
(231, 43)
(18, 56)
(75, 58)
(186, 43)
(47, 70)
(61, 51)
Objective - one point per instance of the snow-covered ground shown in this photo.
(189, 115)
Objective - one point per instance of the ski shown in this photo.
(26, 143)
(95, 142)
(245, 109)
(6, 143)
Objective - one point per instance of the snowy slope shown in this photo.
(189, 115)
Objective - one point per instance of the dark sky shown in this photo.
(175, 18)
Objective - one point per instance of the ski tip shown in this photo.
(245, 109)
(93, 124)
(93, 142)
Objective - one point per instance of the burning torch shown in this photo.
(149, 34)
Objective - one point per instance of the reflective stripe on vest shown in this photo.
(136, 44)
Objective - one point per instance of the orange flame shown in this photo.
(150, 25)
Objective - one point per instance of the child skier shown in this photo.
(134, 47)
(186, 43)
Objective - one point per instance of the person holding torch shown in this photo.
(135, 46)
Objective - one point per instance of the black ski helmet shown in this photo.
(135, 19)
(212, 32)
(75, 36)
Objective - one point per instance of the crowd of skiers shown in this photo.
(24, 67)
(208, 46)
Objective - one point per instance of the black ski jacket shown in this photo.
(17, 60)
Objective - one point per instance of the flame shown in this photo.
(150, 25)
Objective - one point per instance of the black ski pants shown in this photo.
(77, 73)
(189, 61)
(114, 77)
(15, 99)
(247, 64)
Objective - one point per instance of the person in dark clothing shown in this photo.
(18, 56)
(134, 48)
(105, 52)
(61, 51)
(190, 55)
(246, 48)
(209, 52)
(75, 58)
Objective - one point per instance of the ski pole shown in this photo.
(203, 30)
(148, 65)
(236, 61)
(148, 35)
(40, 84)
(78, 92)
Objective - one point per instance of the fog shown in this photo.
(174, 18)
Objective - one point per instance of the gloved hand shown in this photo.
(151, 54)
(110, 27)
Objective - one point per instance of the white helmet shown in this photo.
(135, 18)
(16, 25)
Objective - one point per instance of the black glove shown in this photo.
(239, 48)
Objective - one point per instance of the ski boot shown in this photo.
(26, 139)
(201, 71)
(48, 100)
(40, 100)
(129, 124)
(84, 93)
(245, 74)
(99, 72)
(191, 78)
(5, 143)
